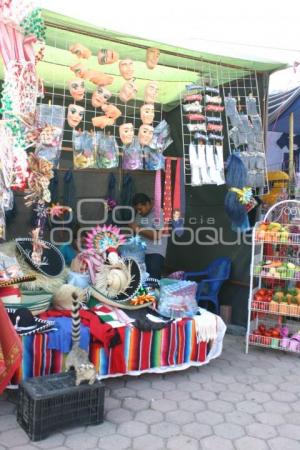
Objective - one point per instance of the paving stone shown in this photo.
(148, 442)
(24, 447)
(3, 448)
(8, 422)
(165, 429)
(262, 431)
(281, 396)
(179, 417)
(53, 441)
(265, 387)
(279, 407)
(290, 431)
(282, 443)
(216, 443)
(14, 437)
(259, 397)
(270, 418)
(293, 418)
(135, 404)
(296, 406)
(233, 397)
(115, 383)
(239, 417)
(180, 442)
(240, 388)
(196, 430)
(204, 377)
(150, 394)
(103, 429)
(123, 392)
(72, 430)
(177, 395)
(132, 428)
(209, 418)
(246, 379)
(214, 387)
(119, 415)
(192, 405)
(220, 406)
(188, 386)
(81, 441)
(111, 403)
(221, 378)
(229, 431)
(114, 441)
(138, 384)
(164, 405)
(289, 387)
(249, 406)
(251, 443)
(150, 416)
(164, 385)
(206, 396)
(7, 408)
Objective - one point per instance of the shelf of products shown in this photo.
(274, 298)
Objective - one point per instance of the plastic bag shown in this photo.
(83, 149)
(178, 298)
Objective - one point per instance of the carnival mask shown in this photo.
(98, 78)
(107, 56)
(126, 132)
(152, 57)
(80, 50)
(145, 134)
(75, 115)
(100, 96)
(111, 111)
(77, 89)
(147, 114)
(151, 91)
(126, 68)
(128, 91)
(79, 70)
(102, 122)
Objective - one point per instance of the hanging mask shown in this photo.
(128, 91)
(151, 91)
(100, 96)
(111, 111)
(75, 115)
(79, 70)
(98, 78)
(152, 57)
(126, 132)
(80, 50)
(126, 68)
(107, 56)
(145, 134)
(77, 89)
(147, 114)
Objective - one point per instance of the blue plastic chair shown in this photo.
(211, 281)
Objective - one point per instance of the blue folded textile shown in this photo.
(61, 339)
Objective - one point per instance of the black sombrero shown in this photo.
(53, 262)
(123, 300)
(25, 323)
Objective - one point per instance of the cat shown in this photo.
(78, 358)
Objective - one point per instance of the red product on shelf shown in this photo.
(198, 117)
(193, 98)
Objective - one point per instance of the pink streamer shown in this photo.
(157, 195)
(93, 260)
(28, 48)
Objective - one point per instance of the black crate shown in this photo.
(52, 402)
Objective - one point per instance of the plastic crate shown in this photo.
(52, 402)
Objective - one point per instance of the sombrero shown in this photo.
(36, 301)
(26, 324)
(123, 299)
(52, 263)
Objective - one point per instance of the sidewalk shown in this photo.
(238, 401)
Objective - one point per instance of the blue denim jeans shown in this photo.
(154, 265)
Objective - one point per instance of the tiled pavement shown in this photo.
(242, 402)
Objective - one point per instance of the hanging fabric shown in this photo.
(157, 195)
(178, 199)
(167, 207)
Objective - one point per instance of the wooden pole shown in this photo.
(291, 153)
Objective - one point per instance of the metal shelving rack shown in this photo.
(286, 245)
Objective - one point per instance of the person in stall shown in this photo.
(150, 229)
(70, 251)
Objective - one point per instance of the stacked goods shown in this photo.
(282, 301)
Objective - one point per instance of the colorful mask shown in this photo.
(152, 57)
(100, 96)
(126, 68)
(111, 111)
(126, 132)
(77, 89)
(147, 114)
(151, 91)
(102, 122)
(75, 115)
(98, 77)
(79, 70)
(128, 91)
(107, 56)
(145, 134)
(80, 50)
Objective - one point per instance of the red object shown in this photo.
(198, 117)
(10, 349)
(167, 209)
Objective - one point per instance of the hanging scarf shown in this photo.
(157, 195)
(167, 209)
(179, 198)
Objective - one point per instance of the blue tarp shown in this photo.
(279, 108)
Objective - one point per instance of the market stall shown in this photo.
(98, 112)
